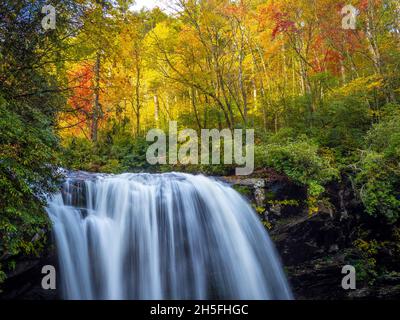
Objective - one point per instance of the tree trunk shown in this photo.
(156, 109)
(97, 112)
(137, 91)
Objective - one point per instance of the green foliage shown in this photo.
(366, 266)
(243, 190)
(379, 183)
(135, 158)
(77, 154)
(115, 152)
(341, 124)
(378, 171)
(27, 173)
(32, 83)
(384, 137)
(118, 150)
(301, 161)
(286, 202)
(2, 276)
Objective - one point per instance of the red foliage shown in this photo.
(281, 20)
(81, 100)
(282, 24)
(82, 93)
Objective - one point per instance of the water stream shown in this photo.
(163, 236)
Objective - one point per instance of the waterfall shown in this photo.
(162, 236)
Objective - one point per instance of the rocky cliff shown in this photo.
(314, 248)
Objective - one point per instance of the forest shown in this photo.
(320, 87)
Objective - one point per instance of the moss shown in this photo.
(243, 190)
(270, 195)
(286, 202)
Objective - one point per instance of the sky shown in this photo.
(149, 4)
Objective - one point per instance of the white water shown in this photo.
(170, 236)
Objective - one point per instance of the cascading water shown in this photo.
(169, 236)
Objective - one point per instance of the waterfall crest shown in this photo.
(162, 236)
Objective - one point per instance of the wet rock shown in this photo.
(276, 209)
(255, 185)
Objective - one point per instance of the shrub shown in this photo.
(378, 183)
(77, 154)
(302, 162)
(378, 171)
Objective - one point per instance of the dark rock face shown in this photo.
(24, 283)
(315, 248)
(303, 237)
